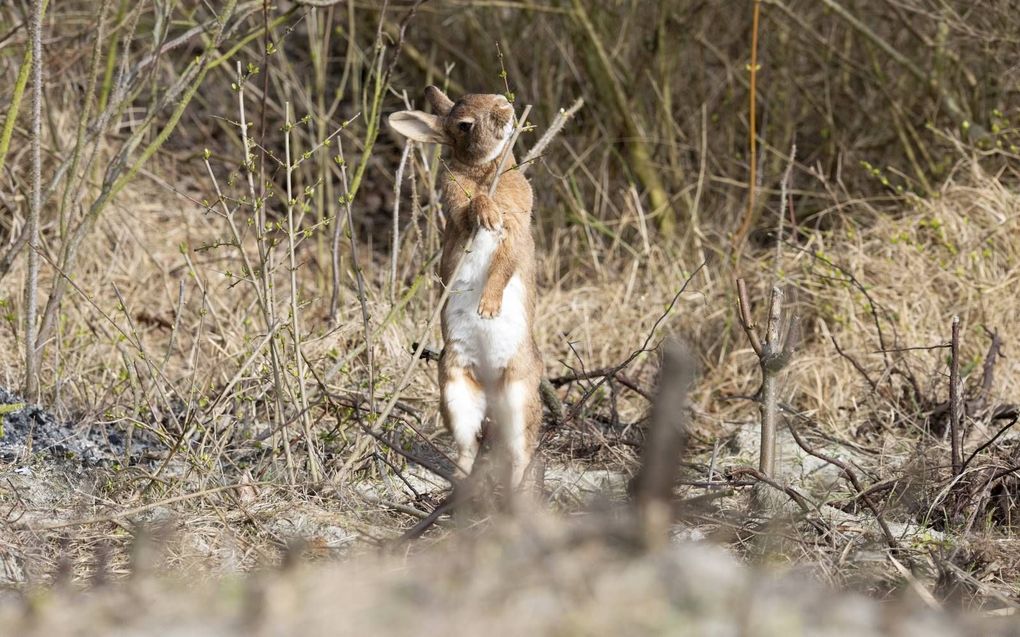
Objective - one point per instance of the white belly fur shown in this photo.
(486, 344)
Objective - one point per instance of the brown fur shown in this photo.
(473, 127)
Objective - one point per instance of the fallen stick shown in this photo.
(852, 478)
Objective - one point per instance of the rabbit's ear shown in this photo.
(419, 126)
(439, 101)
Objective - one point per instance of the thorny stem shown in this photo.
(359, 276)
(32, 282)
(264, 243)
(295, 317)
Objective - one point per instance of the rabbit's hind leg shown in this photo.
(462, 405)
(518, 413)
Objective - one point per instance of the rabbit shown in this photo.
(490, 365)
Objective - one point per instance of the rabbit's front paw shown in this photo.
(490, 305)
(485, 210)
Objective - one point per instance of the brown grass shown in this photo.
(899, 218)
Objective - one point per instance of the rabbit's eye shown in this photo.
(465, 127)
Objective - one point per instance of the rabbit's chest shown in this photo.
(486, 344)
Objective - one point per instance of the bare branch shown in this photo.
(862, 493)
(746, 321)
(955, 399)
(554, 129)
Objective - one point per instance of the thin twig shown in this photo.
(295, 312)
(853, 361)
(955, 399)
(561, 119)
(576, 410)
(397, 182)
(359, 277)
(746, 320)
(852, 280)
(447, 505)
(989, 442)
(266, 268)
(396, 506)
(794, 495)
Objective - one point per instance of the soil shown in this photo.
(33, 430)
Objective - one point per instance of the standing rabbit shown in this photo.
(490, 364)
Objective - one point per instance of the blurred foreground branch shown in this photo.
(664, 445)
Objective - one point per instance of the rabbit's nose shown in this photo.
(465, 126)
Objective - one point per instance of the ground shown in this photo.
(177, 468)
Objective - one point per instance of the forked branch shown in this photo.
(774, 354)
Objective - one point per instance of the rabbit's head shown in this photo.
(477, 126)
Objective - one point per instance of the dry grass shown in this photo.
(580, 328)
(893, 228)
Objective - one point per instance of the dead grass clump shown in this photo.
(869, 382)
